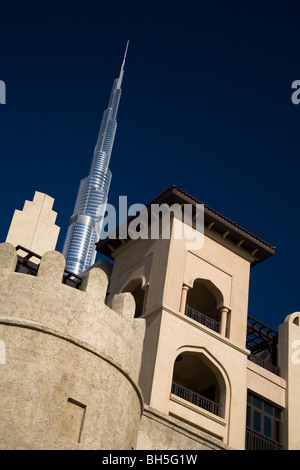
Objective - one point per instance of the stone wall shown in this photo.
(159, 431)
(69, 363)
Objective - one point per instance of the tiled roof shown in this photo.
(215, 223)
(207, 208)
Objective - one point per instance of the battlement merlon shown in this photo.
(81, 314)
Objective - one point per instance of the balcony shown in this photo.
(256, 442)
(262, 342)
(203, 319)
(195, 398)
(265, 364)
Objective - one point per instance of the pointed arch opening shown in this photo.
(203, 302)
(136, 289)
(197, 380)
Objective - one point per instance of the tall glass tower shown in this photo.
(86, 222)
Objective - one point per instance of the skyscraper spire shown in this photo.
(85, 225)
(122, 67)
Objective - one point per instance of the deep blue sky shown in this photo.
(206, 105)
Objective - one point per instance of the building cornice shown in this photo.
(216, 226)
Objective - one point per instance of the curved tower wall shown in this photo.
(69, 363)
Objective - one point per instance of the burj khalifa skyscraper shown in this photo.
(85, 225)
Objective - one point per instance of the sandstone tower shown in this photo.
(206, 362)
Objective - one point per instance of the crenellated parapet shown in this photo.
(67, 345)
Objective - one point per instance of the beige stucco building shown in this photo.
(161, 341)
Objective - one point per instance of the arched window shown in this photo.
(296, 320)
(197, 380)
(135, 288)
(202, 303)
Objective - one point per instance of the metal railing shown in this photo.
(256, 442)
(195, 398)
(265, 364)
(26, 266)
(203, 319)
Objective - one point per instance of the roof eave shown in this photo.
(215, 222)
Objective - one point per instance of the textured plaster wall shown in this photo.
(70, 363)
(161, 432)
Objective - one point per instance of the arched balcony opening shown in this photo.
(202, 304)
(197, 380)
(135, 288)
